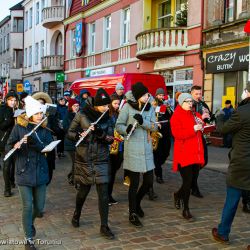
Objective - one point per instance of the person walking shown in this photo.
(69, 145)
(138, 150)
(186, 128)
(238, 175)
(92, 157)
(7, 122)
(31, 166)
(116, 149)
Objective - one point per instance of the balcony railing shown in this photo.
(52, 63)
(52, 16)
(160, 42)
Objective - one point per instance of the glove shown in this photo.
(197, 127)
(139, 118)
(98, 131)
(130, 126)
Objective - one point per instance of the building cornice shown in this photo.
(90, 12)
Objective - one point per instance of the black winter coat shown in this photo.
(69, 145)
(31, 164)
(238, 125)
(6, 124)
(92, 155)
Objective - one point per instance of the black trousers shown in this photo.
(134, 195)
(245, 197)
(9, 173)
(72, 157)
(188, 175)
(115, 164)
(161, 154)
(103, 199)
(60, 146)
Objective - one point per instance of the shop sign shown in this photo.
(103, 71)
(27, 87)
(59, 77)
(78, 38)
(229, 60)
(169, 62)
(19, 88)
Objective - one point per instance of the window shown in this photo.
(73, 44)
(164, 14)
(91, 38)
(42, 50)
(8, 41)
(26, 20)
(59, 45)
(85, 2)
(4, 44)
(107, 31)
(230, 10)
(36, 53)
(42, 7)
(125, 26)
(30, 56)
(37, 12)
(1, 47)
(17, 59)
(30, 17)
(25, 57)
(18, 25)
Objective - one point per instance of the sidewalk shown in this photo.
(164, 227)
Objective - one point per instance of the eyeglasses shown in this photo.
(188, 101)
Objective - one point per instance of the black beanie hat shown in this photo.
(11, 94)
(23, 95)
(138, 90)
(101, 98)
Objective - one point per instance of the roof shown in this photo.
(5, 20)
(18, 6)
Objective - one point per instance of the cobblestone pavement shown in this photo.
(164, 227)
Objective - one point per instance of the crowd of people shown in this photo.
(133, 130)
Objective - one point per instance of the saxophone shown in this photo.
(156, 135)
(114, 147)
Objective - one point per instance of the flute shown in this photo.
(197, 120)
(89, 129)
(136, 122)
(21, 141)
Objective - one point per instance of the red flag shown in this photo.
(247, 27)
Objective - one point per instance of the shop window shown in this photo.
(164, 14)
(184, 75)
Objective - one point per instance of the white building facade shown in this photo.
(43, 45)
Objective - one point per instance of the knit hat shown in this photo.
(119, 86)
(101, 98)
(71, 102)
(138, 90)
(67, 93)
(183, 96)
(42, 95)
(23, 95)
(33, 106)
(160, 91)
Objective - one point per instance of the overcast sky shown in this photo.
(4, 7)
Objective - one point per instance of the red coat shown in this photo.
(188, 146)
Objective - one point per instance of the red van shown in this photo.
(108, 82)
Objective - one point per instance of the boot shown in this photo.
(187, 215)
(197, 193)
(139, 211)
(29, 245)
(106, 232)
(177, 201)
(151, 194)
(159, 180)
(134, 220)
(75, 219)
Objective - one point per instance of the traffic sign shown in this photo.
(19, 88)
(27, 87)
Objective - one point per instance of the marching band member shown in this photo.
(92, 156)
(161, 152)
(116, 149)
(188, 149)
(138, 151)
(31, 165)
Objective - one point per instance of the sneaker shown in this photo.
(106, 232)
(112, 201)
(33, 231)
(126, 181)
(134, 220)
(29, 245)
(219, 238)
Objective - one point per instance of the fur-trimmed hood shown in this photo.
(42, 95)
(23, 121)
